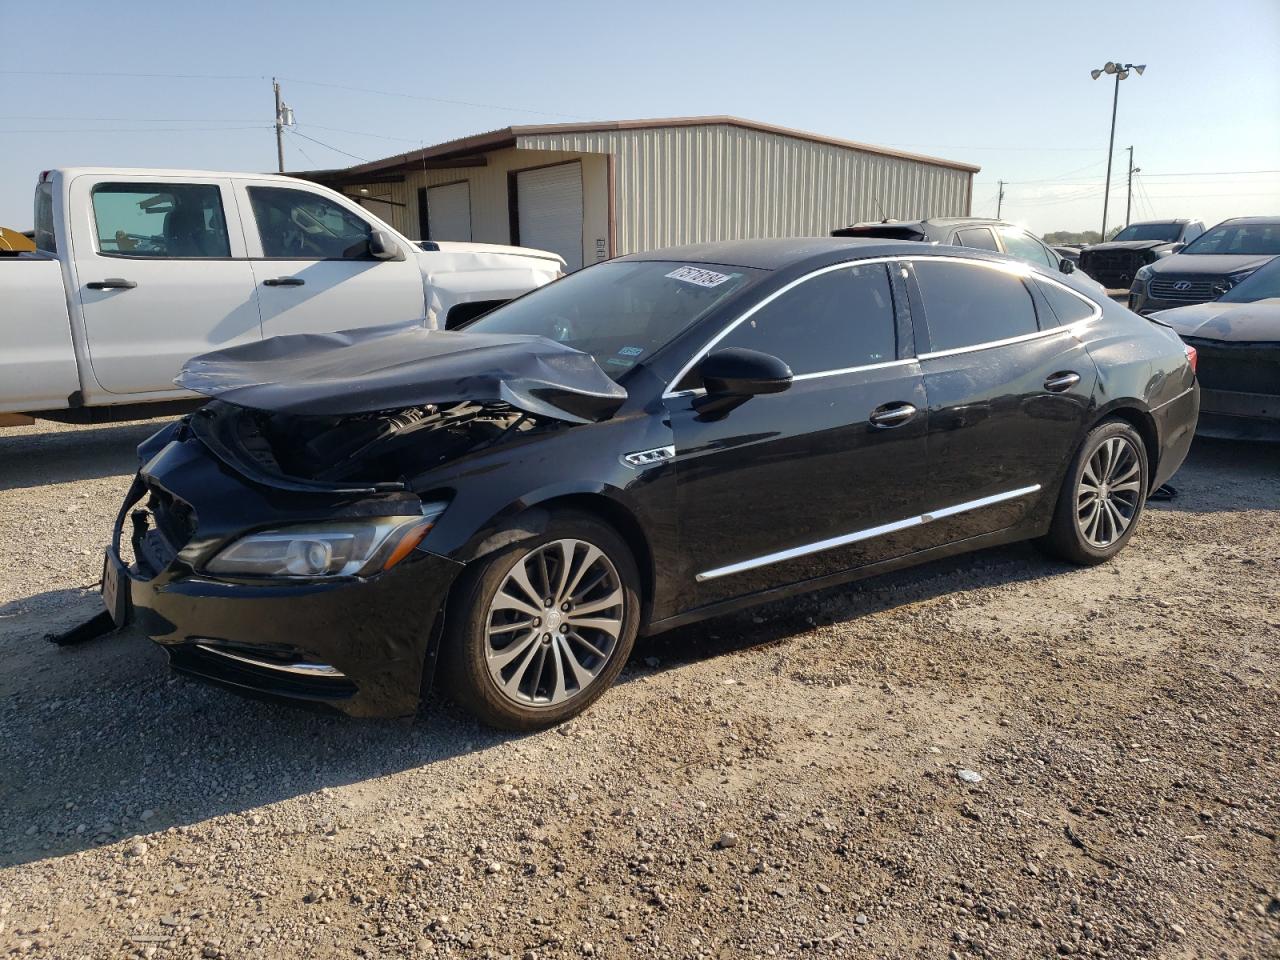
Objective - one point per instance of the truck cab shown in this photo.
(136, 271)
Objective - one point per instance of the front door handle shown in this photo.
(889, 415)
(284, 282)
(112, 283)
(1061, 382)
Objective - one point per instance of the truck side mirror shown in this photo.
(383, 247)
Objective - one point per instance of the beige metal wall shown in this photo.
(490, 220)
(718, 182)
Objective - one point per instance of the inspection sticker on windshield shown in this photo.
(696, 275)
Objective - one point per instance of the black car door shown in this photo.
(1009, 390)
(810, 481)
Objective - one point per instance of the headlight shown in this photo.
(1226, 283)
(339, 549)
(1143, 274)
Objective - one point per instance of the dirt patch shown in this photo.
(783, 782)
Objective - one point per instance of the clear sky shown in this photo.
(1004, 85)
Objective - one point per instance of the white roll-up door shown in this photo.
(550, 210)
(449, 211)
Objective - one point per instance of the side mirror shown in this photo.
(734, 375)
(383, 247)
(1066, 266)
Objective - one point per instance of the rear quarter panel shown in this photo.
(1143, 366)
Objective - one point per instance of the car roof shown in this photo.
(1144, 223)
(1248, 220)
(809, 252)
(778, 253)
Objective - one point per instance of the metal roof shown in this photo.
(507, 137)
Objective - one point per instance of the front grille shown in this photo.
(1237, 368)
(1111, 268)
(1197, 290)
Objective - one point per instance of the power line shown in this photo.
(145, 76)
(415, 96)
(142, 129)
(132, 119)
(363, 133)
(327, 146)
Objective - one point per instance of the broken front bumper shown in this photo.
(365, 646)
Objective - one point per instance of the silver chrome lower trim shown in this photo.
(867, 534)
(297, 669)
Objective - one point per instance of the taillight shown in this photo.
(1191, 356)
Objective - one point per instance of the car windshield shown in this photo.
(1150, 231)
(1259, 239)
(620, 312)
(1260, 285)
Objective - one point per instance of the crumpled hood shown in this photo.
(1236, 322)
(395, 367)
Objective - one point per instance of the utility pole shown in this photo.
(275, 86)
(1120, 71)
(1128, 204)
(1000, 200)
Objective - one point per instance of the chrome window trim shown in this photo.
(1019, 268)
(867, 534)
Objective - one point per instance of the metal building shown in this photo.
(590, 191)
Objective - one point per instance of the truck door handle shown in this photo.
(111, 283)
(1061, 382)
(889, 415)
(284, 282)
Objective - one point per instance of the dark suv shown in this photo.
(1207, 267)
(1114, 263)
(977, 232)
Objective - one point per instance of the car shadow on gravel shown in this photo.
(66, 455)
(1223, 475)
(105, 743)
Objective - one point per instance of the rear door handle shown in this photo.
(284, 282)
(112, 283)
(889, 415)
(1061, 382)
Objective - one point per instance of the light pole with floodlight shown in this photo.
(1120, 71)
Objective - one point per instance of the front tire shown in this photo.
(1102, 497)
(538, 630)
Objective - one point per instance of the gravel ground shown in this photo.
(796, 780)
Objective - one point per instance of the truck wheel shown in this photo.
(540, 629)
(1102, 496)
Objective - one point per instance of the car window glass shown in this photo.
(1025, 247)
(43, 234)
(160, 220)
(1066, 306)
(980, 237)
(304, 225)
(966, 305)
(842, 318)
(622, 311)
(1260, 239)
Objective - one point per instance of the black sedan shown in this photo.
(645, 443)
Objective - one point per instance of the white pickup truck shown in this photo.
(136, 271)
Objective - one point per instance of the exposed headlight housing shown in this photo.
(346, 548)
(1143, 274)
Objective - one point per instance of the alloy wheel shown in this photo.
(554, 623)
(1109, 492)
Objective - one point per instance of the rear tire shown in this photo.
(538, 630)
(1102, 497)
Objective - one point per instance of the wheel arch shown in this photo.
(529, 519)
(1137, 416)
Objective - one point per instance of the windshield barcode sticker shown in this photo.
(696, 275)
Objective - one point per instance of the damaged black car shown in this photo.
(642, 444)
